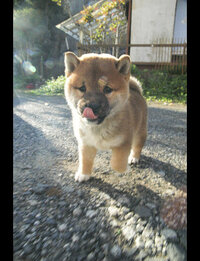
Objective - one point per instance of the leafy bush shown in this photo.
(162, 86)
(157, 85)
(51, 87)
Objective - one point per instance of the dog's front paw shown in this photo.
(132, 159)
(81, 177)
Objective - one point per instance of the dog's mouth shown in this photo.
(91, 116)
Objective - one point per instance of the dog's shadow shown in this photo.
(118, 194)
(171, 174)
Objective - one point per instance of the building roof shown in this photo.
(73, 26)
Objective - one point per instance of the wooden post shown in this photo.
(117, 41)
(183, 59)
(113, 50)
(129, 26)
(81, 36)
(81, 42)
(90, 35)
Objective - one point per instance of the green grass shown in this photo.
(162, 86)
(51, 87)
(157, 85)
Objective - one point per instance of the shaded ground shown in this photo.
(110, 217)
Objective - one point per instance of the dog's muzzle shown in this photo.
(94, 107)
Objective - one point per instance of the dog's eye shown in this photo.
(82, 88)
(107, 90)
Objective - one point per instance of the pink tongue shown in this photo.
(89, 114)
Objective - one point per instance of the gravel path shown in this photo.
(110, 217)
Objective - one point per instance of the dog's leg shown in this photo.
(119, 160)
(137, 146)
(86, 159)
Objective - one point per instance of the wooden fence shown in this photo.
(164, 56)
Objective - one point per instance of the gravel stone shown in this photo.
(91, 213)
(158, 243)
(124, 201)
(141, 256)
(68, 235)
(125, 210)
(147, 233)
(51, 221)
(139, 242)
(115, 223)
(128, 232)
(75, 238)
(139, 228)
(113, 211)
(128, 215)
(116, 251)
(149, 243)
(91, 256)
(77, 212)
(28, 249)
(104, 236)
(62, 227)
(130, 251)
(175, 252)
(169, 234)
(131, 221)
(105, 248)
(143, 211)
(32, 202)
(161, 173)
(44, 252)
(151, 205)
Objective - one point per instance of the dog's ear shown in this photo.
(123, 64)
(71, 62)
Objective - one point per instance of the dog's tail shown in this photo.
(135, 85)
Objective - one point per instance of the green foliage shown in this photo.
(87, 14)
(157, 85)
(101, 14)
(20, 81)
(58, 2)
(162, 86)
(51, 87)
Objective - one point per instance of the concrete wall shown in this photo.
(151, 20)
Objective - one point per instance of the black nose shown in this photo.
(94, 106)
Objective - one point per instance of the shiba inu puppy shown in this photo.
(108, 110)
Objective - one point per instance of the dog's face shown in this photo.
(96, 85)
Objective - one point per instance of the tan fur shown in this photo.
(124, 128)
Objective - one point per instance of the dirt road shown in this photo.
(110, 217)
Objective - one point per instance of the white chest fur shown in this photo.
(99, 136)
